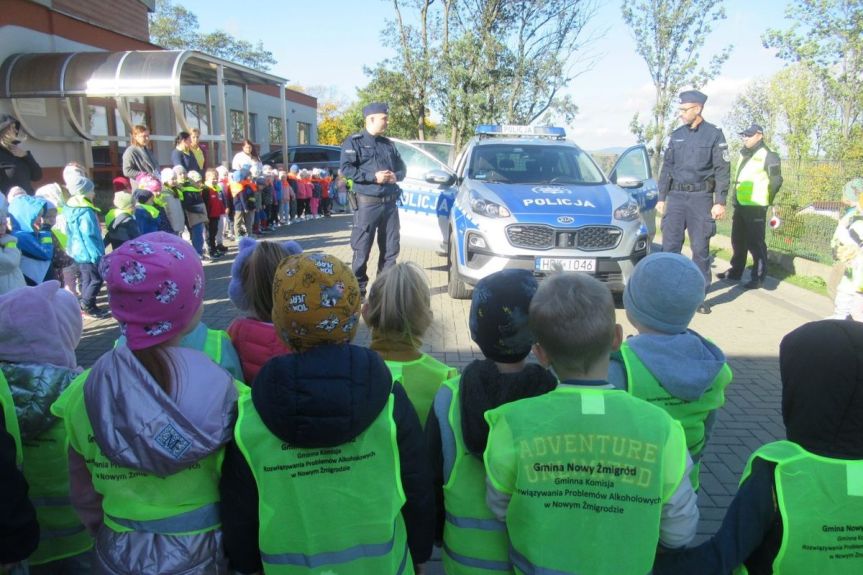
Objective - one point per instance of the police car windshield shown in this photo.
(533, 164)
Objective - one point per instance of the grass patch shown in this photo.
(810, 283)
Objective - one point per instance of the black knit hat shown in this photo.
(499, 312)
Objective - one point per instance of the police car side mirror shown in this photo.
(440, 177)
(629, 183)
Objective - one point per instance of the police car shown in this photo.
(525, 197)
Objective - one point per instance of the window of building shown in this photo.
(274, 126)
(304, 133)
(253, 127)
(238, 126)
(196, 116)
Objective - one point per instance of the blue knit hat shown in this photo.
(663, 292)
(498, 315)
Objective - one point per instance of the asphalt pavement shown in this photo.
(747, 324)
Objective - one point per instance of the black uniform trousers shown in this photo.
(747, 235)
(690, 211)
(374, 217)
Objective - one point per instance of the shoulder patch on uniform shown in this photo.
(722, 144)
(725, 155)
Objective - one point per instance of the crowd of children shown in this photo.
(282, 447)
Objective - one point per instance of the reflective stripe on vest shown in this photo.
(304, 492)
(421, 379)
(201, 519)
(753, 183)
(179, 504)
(821, 503)
(10, 418)
(594, 464)
(342, 557)
(475, 541)
(692, 415)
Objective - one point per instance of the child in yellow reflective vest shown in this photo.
(799, 507)
(474, 541)
(399, 313)
(667, 363)
(585, 460)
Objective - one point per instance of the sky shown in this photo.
(328, 42)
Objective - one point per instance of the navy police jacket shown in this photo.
(698, 158)
(363, 155)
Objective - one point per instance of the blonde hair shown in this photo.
(399, 303)
(258, 273)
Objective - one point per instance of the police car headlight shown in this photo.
(483, 207)
(627, 211)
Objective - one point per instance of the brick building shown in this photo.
(79, 74)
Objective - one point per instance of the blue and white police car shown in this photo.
(525, 197)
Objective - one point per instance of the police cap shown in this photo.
(752, 130)
(375, 108)
(692, 97)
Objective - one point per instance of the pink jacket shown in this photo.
(256, 343)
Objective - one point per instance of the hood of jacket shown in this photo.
(821, 365)
(24, 210)
(685, 364)
(323, 397)
(256, 343)
(34, 388)
(142, 427)
(40, 323)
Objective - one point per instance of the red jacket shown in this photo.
(256, 343)
(214, 203)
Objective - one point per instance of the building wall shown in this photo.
(127, 17)
(39, 26)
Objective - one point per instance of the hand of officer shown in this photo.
(717, 211)
(660, 208)
(384, 177)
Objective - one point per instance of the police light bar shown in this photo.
(515, 130)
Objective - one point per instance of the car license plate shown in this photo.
(566, 264)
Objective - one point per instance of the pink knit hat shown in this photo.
(155, 287)
(148, 182)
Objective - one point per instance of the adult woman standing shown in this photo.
(17, 165)
(182, 154)
(138, 158)
(248, 156)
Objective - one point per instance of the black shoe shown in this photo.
(753, 284)
(729, 275)
(95, 313)
(704, 308)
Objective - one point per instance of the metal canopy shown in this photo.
(71, 77)
(119, 74)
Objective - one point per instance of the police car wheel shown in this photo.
(456, 288)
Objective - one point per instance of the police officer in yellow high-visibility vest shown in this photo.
(589, 479)
(759, 177)
(799, 507)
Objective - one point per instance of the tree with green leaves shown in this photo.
(827, 36)
(669, 36)
(174, 27)
(492, 61)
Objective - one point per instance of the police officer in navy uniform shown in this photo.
(693, 184)
(374, 165)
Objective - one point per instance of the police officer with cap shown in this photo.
(374, 165)
(758, 178)
(693, 184)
